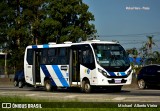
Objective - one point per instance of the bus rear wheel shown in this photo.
(86, 87)
(48, 86)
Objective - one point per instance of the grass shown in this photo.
(53, 103)
(85, 109)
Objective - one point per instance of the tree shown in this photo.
(147, 54)
(150, 43)
(154, 58)
(133, 52)
(25, 22)
(18, 28)
(156, 55)
(33, 15)
(16, 35)
(6, 18)
(67, 20)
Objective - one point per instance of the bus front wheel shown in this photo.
(86, 87)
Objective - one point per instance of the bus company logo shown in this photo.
(118, 74)
(88, 71)
(6, 105)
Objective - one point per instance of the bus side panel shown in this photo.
(90, 74)
(94, 79)
(28, 69)
(42, 75)
(58, 74)
(85, 73)
(28, 74)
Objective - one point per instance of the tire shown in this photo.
(141, 84)
(15, 83)
(86, 87)
(48, 86)
(20, 84)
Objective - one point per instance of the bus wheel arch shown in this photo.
(86, 87)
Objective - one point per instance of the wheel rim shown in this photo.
(87, 87)
(47, 86)
(141, 84)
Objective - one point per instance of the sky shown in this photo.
(127, 21)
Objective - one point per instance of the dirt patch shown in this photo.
(6, 81)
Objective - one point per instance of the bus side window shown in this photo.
(30, 56)
(44, 56)
(52, 58)
(63, 56)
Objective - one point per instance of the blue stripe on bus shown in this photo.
(112, 73)
(34, 46)
(45, 46)
(47, 74)
(60, 76)
(123, 73)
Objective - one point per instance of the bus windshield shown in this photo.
(111, 56)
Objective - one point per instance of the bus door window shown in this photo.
(88, 58)
(30, 56)
(76, 65)
(37, 65)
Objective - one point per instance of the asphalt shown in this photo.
(129, 93)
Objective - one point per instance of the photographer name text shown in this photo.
(138, 105)
(137, 8)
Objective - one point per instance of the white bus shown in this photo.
(86, 65)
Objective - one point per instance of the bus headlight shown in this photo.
(102, 72)
(129, 72)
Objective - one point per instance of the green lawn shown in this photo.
(48, 105)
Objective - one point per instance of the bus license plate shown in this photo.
(117, 81)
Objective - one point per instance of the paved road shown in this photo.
(127, 94)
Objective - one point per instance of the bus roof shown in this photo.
(68, 44)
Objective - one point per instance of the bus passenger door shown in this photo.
(36, 66)
(29, 66)
(75, 67)
(32, 66)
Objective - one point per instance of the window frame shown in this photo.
(29, 59)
